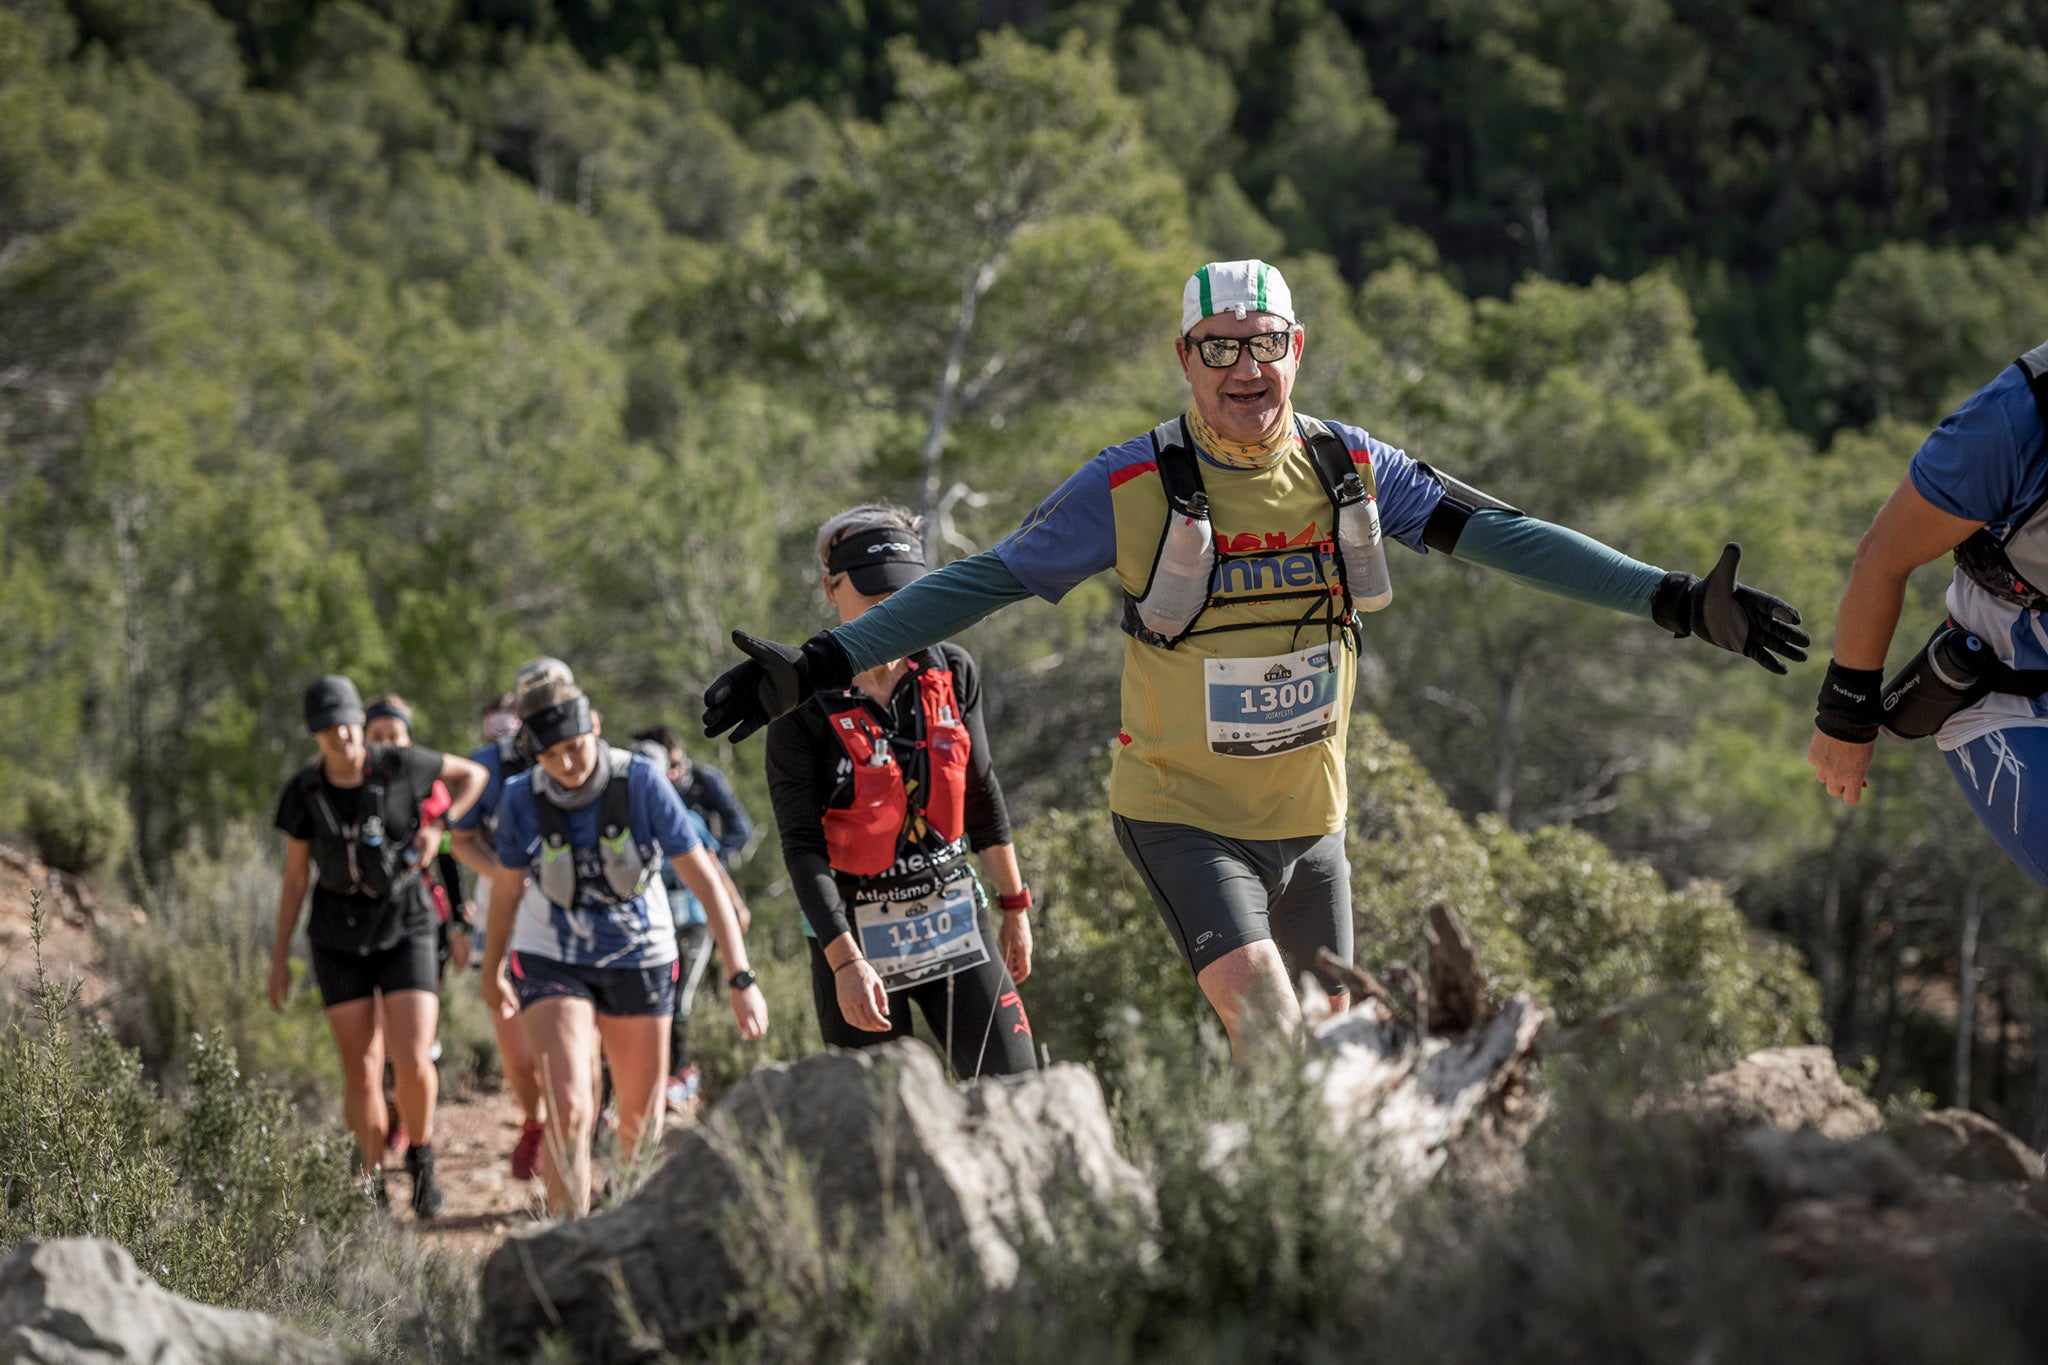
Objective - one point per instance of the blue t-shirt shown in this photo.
(483, 815)
(1984, 461)
(601, 930)
(1988, 462)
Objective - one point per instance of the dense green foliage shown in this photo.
(411, 339)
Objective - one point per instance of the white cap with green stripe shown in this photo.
(1238, 287)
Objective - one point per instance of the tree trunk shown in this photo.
(141, 806)
(1966, 991)
(976, 285)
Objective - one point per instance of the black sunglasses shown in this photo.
(1220, 353)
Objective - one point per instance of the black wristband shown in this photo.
(1671, 603)
(1849, 708)
(740, 981)
(827, 666)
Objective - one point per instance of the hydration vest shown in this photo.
(362, 857)
(2005, 566)
(1180, 588)
(627, 869)
(865, 839)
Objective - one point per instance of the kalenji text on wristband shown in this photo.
(1848, 708)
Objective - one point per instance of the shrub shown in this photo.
(226, 1197)
(211, 1199)
(79, 827)
(201, 963)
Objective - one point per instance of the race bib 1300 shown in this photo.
(1262, 707)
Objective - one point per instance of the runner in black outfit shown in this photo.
(353, 832)
(878, 806)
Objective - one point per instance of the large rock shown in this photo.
(1967, 1145)
(1781, 1087)
(981, 1164)
(82, 1301)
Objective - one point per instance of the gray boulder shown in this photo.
(1782, 1087)
(83, 1301)
(1967, 1145)
(982, 1167)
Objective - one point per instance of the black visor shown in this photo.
(878, 561)
(565, 720)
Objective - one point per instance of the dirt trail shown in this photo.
(473, 1138)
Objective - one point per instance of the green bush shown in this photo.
(224, 1195)
(201, 963)
(79, 827)
(211, 1197)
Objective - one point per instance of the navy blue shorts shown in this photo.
(621, 992)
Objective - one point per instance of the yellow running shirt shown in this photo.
(1240, 731)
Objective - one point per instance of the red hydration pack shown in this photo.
(864, 838)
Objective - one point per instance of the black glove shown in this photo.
(1723, 612)
(774, 680)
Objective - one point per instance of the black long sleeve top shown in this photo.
(809, 773)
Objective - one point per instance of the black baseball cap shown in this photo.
(878, 559)
(332, 701)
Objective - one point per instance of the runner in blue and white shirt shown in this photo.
(1984, 468)
(594, 964)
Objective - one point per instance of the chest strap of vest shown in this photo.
(626, 869)
(366, 834)
(1981, 557)
(1181, 587)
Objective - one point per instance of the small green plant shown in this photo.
(78, 826)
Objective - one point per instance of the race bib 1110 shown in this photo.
(922, 940)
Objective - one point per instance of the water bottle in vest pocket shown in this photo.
(861, 839)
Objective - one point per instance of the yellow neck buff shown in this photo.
(1263, 453)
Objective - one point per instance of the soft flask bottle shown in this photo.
(1952, 672)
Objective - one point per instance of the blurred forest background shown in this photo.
(411, 338)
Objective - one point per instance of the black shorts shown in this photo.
(1217, 894)
(618, 992)
(976, 1014)
(407, 965)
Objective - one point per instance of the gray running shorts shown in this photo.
(1217, 894)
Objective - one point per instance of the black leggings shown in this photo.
(976, 1014)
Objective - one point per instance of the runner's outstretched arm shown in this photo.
(777, 677)
(1567, 563)
(936, 607)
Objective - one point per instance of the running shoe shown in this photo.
(427, 1199)
(682, 1090)
(526, 1155)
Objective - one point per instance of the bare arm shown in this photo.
(700, 872)
(472, 852)
(1013, 934)
(298, 869)
(506, 890)
(465, 779)
(1909, 531)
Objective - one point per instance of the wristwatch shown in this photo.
(739, 981)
